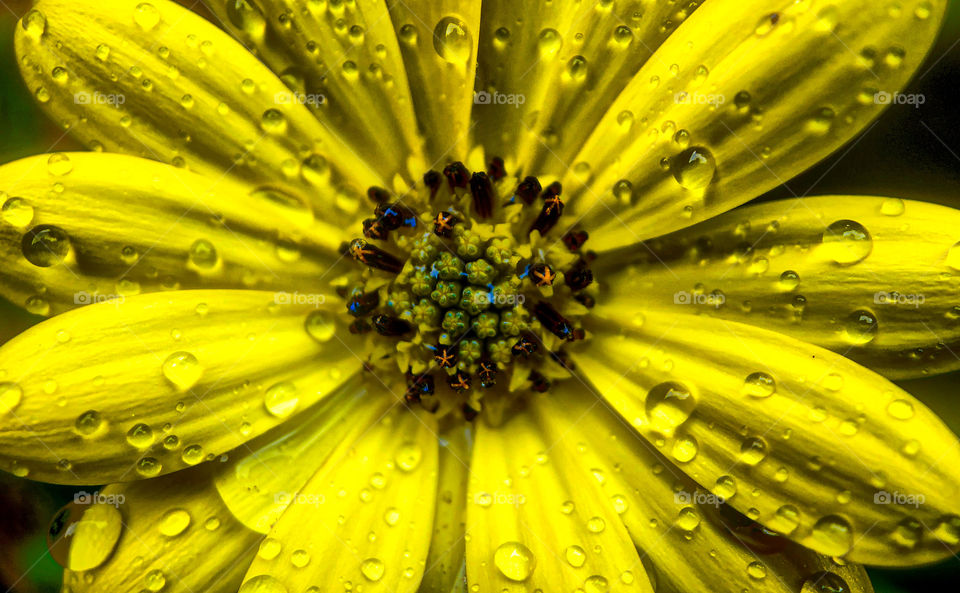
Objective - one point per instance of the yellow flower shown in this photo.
(310, 350)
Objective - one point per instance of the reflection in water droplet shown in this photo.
(17, 212)
(174, 522)
(514, 561)
(182, 369)
(452, 40)
(263, 583)
(694, 168)
(668, 405)
(549, 43)
(860, 327)
(281, 399)
(45, 245)
(831, 535)
(372, 569)
(759, 385)
(320, 325)
(846, 242)
(408, 457)
(146, 16)
(82, 535)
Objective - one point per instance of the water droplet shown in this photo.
(320, 325)
(860, 327)
(757, 570)
(831, 535)
(17, 212)
(263, 583)
(824, 582)
(45, 245)
(372, 569)
(149, 467)
(391, 516)
(789, 280)
(140, 436)
(725, 487)
(668, 405)
(246, 17)
(846, 242)
(688, 519)
(753, 450)
(821, 121)
(174, 522)
(892, 207)
(596, 525)
(182, 369)
(694, 168)
(273, 121)
(514, 561)
(623, 191)
(281, 399)
(88, 423)
(953, 256)
(685, 448)
(576, 556)
(549, 43)
(900, 409)
(759, 385)
(34, 23)
(10, 396)
(192, 454)
(452, 40)
(786, 519)
(948, 530)
(300, 558)
(146, 16)
(596, 584)
(203, 255)
(82, 536)
(408, 457)
(577, 68)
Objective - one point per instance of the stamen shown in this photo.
(445, 356)
(459, 381)
(367, 254)
(579, 277)
(539, 383)
(393, 216)
(524, 347)
(542, 274)
(529, 189)
(551, 211)
(457, 175)
(432, 179)
(391, 326)
(361, 303)
(443, 224)
(482, 191)
(418, 386)
(556, 323)
(487, 374)
(373, 229)
(574, 240)
(496, 169)
(378, 195)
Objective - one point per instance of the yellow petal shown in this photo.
(742, 97)
(80, 228)
(532, 524)
(176, 535)
(343, 62)
(153, 79)
(874, 279)
(551, 77)
(672, 520)
(445, 561)
(438, 43)
(261, 480)
(159, 382)
(794, 428)
(364, 518)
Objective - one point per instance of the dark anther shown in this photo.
(586, 300)
(418, 386)
(579, 277)
(360, 326)
(538, 382)
(360, 303)
(574, 240)
(394, 216)
(550, 213)
(469, 414)
(378, 195)
(445, 356)
(457, 175)
(482, 191)
(496, 169)
(774, 18)
(459, 381)
(553, 190)
(367, 254)
(487, 374)
(562, 358)
(443, 224)
(524, 347)
(556, 323)
(373, 229)
(542, 275)
(529, 189)
(432, 179)
(391, 326)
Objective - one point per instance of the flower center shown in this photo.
(467, 286)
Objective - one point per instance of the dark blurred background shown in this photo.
(910, 153)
